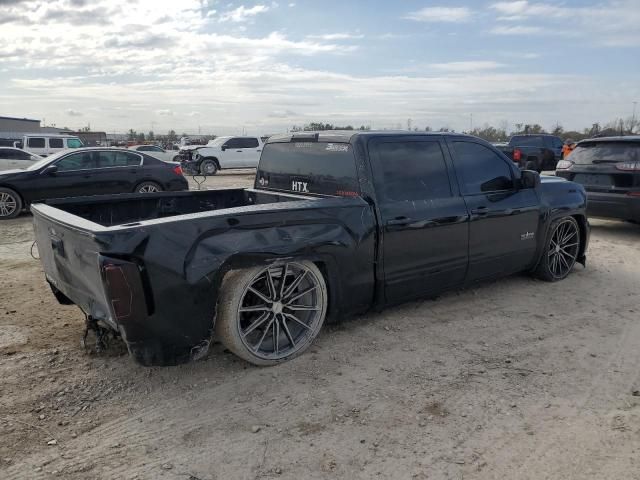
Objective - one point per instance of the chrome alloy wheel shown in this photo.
(8, 204)
(563, 248)
(281, 310)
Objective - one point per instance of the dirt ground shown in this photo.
(515, 379)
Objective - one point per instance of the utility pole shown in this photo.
(470, 122)
(633, 117)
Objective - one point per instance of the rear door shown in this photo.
(250, 152)
(116, 172)
(504, 219)
(425, 223)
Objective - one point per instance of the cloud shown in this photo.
(243, 14)
(73, 113)
(472, 66)
(441, 14)
(337, 36)
(517, 30)
(609, 23)
(164, 113)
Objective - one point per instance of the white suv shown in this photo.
(45, 145)
(221, 153)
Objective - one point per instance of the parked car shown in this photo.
(89, 171)
(45, 144)
(338, 223)
(221, 153)
(157, 152)
(609, 169)
(533, 152)
(12, 158)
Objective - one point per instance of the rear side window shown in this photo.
(249, 142)
(117, 159)
(411, 171)
(481, 169)
(614, 152)
(56, 143)
(35, 142)
(308, 167)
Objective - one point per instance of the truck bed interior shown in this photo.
(131, 208)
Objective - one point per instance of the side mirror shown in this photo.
(223, 147)
(50, 170)
(529, 179)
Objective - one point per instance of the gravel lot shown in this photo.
(514, 379)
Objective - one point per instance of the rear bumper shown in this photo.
(612, 205)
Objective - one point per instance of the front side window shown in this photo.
(481, 169)
(234, 143)
(78, 161)
(35, 142)
(74, 143)
(411, 171)
(56, 143)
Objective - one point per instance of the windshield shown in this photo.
(590, 152)
(218, 141)
(74, 143)
(45, 161)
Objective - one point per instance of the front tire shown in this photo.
(267, 315)
(10, 204)
(208, 167)
(561, 251)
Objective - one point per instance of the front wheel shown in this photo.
(10, 204)
(208, 167)
(561, 252)
(267, 315)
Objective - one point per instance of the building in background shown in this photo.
(21, 125)
(93, 139)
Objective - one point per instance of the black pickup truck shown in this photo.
(534, 151)
(338, 223)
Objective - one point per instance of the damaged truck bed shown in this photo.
(337, 223)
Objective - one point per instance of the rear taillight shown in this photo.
(564, 165)
(634, 194)
(628, 166)
(517, 155)
(119, 290)
(177, 170)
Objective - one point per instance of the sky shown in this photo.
(261, 67)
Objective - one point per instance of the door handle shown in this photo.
(238, 151)
(480, 210)
(399, 221)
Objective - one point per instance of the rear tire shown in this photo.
(10, 204)
(148, 187)
(267, 315)
(561, 250)
(208, 167)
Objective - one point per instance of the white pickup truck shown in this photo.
(221, 153)
(48, 144)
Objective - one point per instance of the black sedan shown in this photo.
(89, 171)
(609, 169)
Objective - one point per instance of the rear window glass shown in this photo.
(527, 142)
(587, 153)
(308, 167)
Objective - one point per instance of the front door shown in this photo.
(505, 219)
(424, 218)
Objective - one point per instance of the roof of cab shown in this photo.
(348, 136)
(628, 138)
